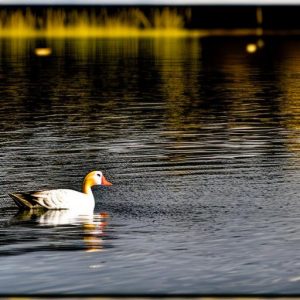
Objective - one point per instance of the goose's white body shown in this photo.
(55, 199)
(62, 198)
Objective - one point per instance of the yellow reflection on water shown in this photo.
(179, 64)
(94, 231)
(179, 88)
(290, 104)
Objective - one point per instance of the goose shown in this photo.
(62, 198)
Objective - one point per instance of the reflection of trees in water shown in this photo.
(178, 62)
(222, 101)
(103, 89)
(290, 104)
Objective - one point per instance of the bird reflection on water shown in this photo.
(65, 226)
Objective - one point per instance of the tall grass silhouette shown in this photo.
(59, 22)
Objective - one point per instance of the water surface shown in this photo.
(201, 141)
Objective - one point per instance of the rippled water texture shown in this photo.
(201, 141)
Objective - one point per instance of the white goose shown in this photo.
(63, 198)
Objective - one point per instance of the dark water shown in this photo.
(199, 137)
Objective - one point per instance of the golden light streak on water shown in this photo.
(290, 105)
(93, 244)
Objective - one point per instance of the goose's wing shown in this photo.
(26, 200)
(52, 199)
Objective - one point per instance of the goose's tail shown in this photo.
(24, 200)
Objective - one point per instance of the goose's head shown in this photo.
(97, 178)
(94, 178)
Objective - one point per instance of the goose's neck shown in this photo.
(87, 187)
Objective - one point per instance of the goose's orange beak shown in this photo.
(105, 182)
